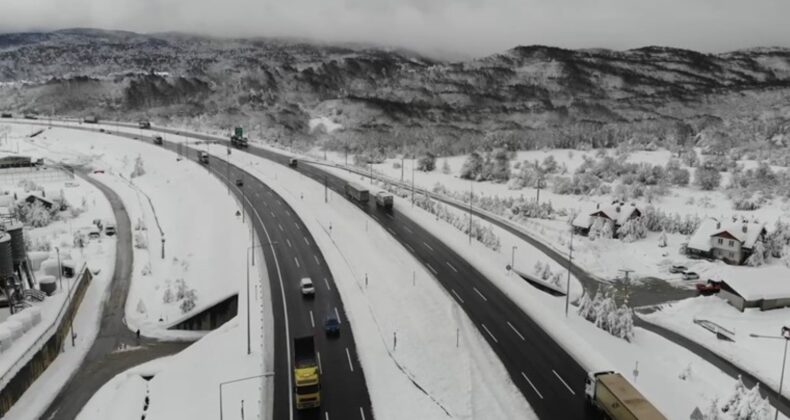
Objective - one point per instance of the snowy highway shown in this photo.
(548, 377)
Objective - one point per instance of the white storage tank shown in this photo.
(23, 319)
(36, 258)
(50, 267)
(35, 313)
(16, 328)
(6, 338)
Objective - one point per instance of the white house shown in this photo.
(732, 242)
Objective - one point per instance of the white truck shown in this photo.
(612, 394)
(384, 199)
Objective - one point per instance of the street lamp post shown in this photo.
(265, 375)
(60, 269)
(786, 337)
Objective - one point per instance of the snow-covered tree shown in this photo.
(625, 322)
(747, 404)
(189, 302)
(445, 167)
(758, 255)
(141, 307)
(713, 411)
(140, 241)
(662, 240)
(595, 229)
(168, 295)
(785, 256)
(538, 267)
(607, 229)
(139, 169)
(585, 306)
(472, 167)
(633, 230)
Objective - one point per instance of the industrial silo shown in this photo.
(6, 259)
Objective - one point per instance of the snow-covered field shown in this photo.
(198, 232)
(760, 356)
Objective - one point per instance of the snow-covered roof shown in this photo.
(736, 230)
(39, 197)
(700, 240)
(619, 212)
(582, 220)
(754, 283)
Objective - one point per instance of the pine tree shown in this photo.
(626, 321)
(607, 231)
(595, 229)
(662, 240)
(585, 306)
(713, 412)
(758, 255)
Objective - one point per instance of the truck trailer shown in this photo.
(307, 383)
(384, 199)
(612, 394)
(357, 192)
(237, 139)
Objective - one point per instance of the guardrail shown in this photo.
(18, 378)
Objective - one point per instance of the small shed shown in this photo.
(765, 288)
(33, 198)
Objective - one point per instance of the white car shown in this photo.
(306, 285)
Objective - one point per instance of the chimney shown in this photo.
(617, 209)
(598, 206)
(744, 228)
(718, 225)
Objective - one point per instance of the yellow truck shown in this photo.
(613, 395)
(307, 383)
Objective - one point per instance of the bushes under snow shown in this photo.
(743, 404)
(602, 311)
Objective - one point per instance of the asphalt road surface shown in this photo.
(103, 362)
(291, 254)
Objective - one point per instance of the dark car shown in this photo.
(239, 182)
(158, 139)
(677, 269)
(332, 325)
(6, 115)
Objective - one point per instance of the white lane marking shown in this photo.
(288, 242)
(306, 241)
(489, 333)
(432, 269)
(285, 305)
(288, 212)
(361, 413)
(264, 203)
(374, 217)
(563, 381)
(326, 415)
(272, 214)
(320, 370)
(410, 248)
(516, 331)
(281, 227)
(297, 263)
(457, 296)
(312, 320)
(337, 315)
(533, 386)
(316, 260)
(480, 294)
(327, 284)
(390, 216)
(391, 231)
(297, 226)
(407, 229)
(451, 267)
(350, 365)
(428, 246)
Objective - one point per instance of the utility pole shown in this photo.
(786, 337)
(513, 258)
(227, 170)
(326, 190)
(626, 281)
(568, 282)
(412, 183)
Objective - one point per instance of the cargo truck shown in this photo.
(203, 156)
(158, 139)
(357, 192)
(237, 139)
(384, 199)
(144, 124)
(612, 395)
(91, 120)
(307, 384)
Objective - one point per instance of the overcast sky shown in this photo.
(460, 27)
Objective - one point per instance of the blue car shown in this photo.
(332, 325)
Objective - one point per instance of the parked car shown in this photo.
(292, 162)
(93, 232)
(332, 325)
(674, 269)
(690, 275)
(158, 139)
(306, 285)
(98, 171)
(7, 115)
(109, 229)
(239, 182)
(708, 288)
(101, 130)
